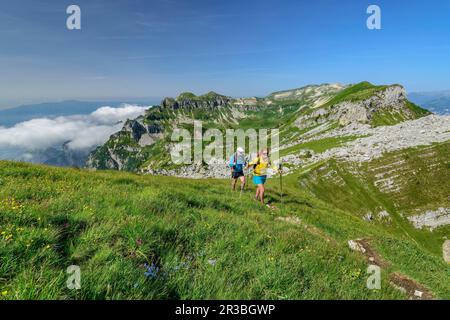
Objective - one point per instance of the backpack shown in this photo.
(256, 164)
(259, 160)
(234, 161)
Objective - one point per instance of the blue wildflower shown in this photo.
(151, 270)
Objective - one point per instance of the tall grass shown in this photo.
(144, 237)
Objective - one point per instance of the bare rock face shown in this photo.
(380, 140)
(141, 133)
(246, 103)
(124, 147)
(446, 251)
(391, 100)
(351, 113)
(188, 101)
(136, 128)
(431, 219)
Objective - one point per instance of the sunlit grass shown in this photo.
(144, 237)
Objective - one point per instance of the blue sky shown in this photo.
(154, 48)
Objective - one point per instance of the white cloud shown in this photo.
(80, 131)
(108, 115)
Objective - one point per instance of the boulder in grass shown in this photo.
(355, 246)
(446, 251)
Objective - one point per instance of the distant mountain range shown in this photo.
(437, 102)
(12, 116)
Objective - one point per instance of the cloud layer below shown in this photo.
(78, 132)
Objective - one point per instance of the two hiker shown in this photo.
(260, 165)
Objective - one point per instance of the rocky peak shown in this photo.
(188, 100)
(364, 103)
(141, 131)
(391, 95)
(136, 128)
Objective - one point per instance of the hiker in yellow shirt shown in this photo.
(260, 165)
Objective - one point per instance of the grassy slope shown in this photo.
(111, 223)
(420, 182)
(356, 92)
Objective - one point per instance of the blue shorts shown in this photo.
(259, 179)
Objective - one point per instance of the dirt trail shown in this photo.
(371, 255)
(411, 288)
(414, 290)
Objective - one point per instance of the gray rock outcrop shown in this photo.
(446, 251)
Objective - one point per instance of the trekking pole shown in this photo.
(242, 188)
(247, 171)
(280, 168)
(249, 174)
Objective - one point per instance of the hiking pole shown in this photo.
(246, 178)
(243, 187)
(280, 169)
(245, 181)
(249, 175)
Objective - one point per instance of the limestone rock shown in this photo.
(355, 246)
(446, 251)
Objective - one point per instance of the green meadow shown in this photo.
(153, 237)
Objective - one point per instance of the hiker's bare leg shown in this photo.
(257, 193)
(242, 182)
(261, 193)
(233, 184)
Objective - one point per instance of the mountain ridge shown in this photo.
(143, 144)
